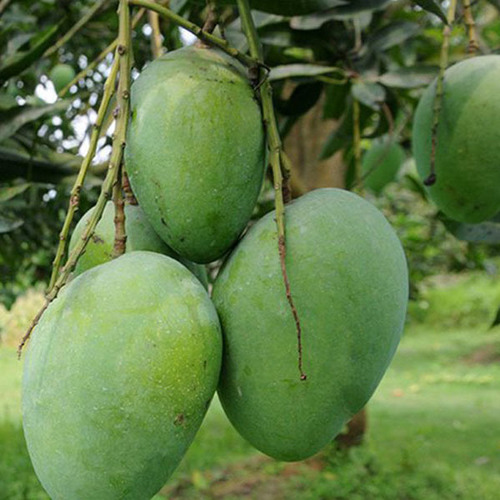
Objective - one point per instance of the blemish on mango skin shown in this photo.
(97, 239)
(179, 419)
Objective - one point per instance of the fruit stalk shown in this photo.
(122, 58)
(278, 160)
(119, 246)
(471, 28)
(75, 28)
(74, 199)
(438, 100)
(130, 198)
(156, 45)
(197, 31)
(100, 57)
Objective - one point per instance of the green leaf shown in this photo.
(15, 164)
(19, 117)
(335, 101)
(409, 78)
(298, 70)
(316, 20)
(433, 7)
(7, 102)
(357, 6)
(369, 94)
(22, 59)
(278, 35)
(8, 224)
(393, 34)
(496, 320)
(303, 98)
(7, 193)
(486, 232)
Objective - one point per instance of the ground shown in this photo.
(433, 424)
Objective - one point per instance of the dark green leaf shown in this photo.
(277, 35)
(356, 6)
(7, 102)
(413, 183)
(303, 98)
(25, 114)
(298, 70)
(392, 34)
(8, 224)
(496, 320)
(433, 7)
(16, 164)
(7, 193)
(335, 101)
(369, 94)
(316, 20)
(486, 232)
(20, 60)
(409, 78)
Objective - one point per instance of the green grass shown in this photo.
(433, 432)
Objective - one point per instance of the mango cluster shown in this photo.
(123, 365)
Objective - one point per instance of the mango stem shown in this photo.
(277, 158)
(122, 59)
(438, 98)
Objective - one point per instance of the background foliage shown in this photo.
(378, 59)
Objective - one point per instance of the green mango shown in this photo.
(349, 283)
(467, 166)
(381, 163)
(195, 150)
(118, 376)
(61, 75)
(140, 236)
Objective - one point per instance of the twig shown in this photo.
(156, 42)
(123, 56)
(130, 198)
(76, 27)
(471, 28)
(197, 31)
(438, 98)
(120, 243)
(74, 199)
(100, 57)
(210, 21)
(278, 160)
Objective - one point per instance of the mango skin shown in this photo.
(61, 75)
(467, 186)
(382, 161)
(349, 282)
(117, 378)
(195, 150)
(140, 236)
